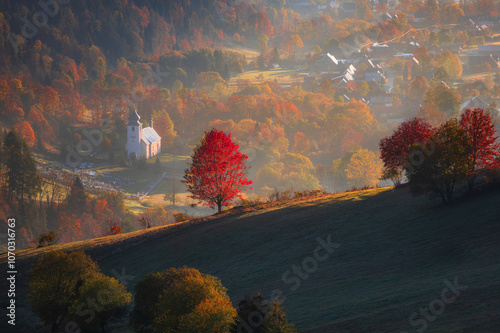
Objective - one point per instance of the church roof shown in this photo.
(149, 135)
(133, 119)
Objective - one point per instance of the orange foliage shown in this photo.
(26, 132)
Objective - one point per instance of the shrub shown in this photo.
(113, 227)
(46, 239)
(262, 316)
(182, 300)
(53, 282)
(109, 297)
(181, 217)
(65, 287)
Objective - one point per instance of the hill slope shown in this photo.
(395, 255)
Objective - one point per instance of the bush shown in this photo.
(309, 194)
(110, 297)
(181, 217)
(250, 203)
(53, 281)
(262, 316)
(113, 227)
(182, 300)
(65, 287)
(280, 196)
(46, 239)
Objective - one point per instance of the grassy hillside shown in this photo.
(394, 256)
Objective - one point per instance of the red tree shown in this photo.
(113, 228)
(394, 149)
(216, 174)
(482, 142)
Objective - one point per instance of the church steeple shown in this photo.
(133, 119)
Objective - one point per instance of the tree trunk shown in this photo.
(219, 207)
(471, 184)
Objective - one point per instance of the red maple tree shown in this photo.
(394, 149)
(482, 142)
(216, 174)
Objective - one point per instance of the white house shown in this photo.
(141, 142)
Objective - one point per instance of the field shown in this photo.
(395, 254)
(169, 162)
(283, 76)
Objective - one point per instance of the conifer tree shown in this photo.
(77, 199)
(22, 179)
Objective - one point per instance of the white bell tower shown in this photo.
(134, 136)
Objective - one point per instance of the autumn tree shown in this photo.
(417, 88)
(53, 284)
(262, 47)
(155, 216)
(364, 169)
(439, 164)
(482, 145)
(431, 113)
(111, 300)
(216, 174)
(485, 7)
(182, 300)
(165, 128)
(291, 44)
(441, 75)
(451, 63)
(212, 84)
(112, 227)
(26, 132)
(451, 13)
(394, 149)
(444, 98)
(301, 143)
(60, 285)
(432, 10)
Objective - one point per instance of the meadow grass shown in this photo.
(395, 253)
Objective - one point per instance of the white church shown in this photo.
(141, 142)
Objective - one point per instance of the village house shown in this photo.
(475, 102)
(489, 49)
(480, 60)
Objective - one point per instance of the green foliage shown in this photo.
(54, 281)
(77, 199)
(109, 296)
(445, 99)
(439, 164)
(62, 286)
(22, 179)
(255, 310)
(146, 295)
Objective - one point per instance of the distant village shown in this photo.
(345, 68)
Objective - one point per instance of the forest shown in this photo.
(70, 67)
